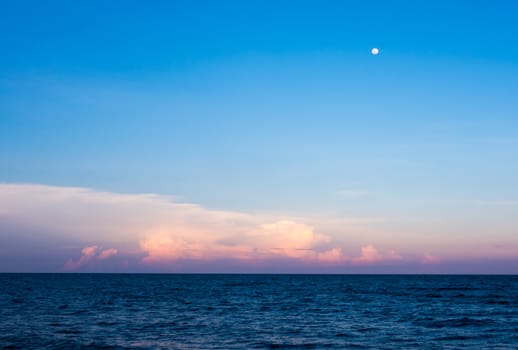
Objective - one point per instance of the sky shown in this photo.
(259, 136)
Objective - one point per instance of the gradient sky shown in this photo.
(259, 136)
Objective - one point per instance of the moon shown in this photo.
(375, 51)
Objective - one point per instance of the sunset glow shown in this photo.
(344, 137)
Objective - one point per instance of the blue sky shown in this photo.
(273, 108)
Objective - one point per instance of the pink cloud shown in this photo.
(370, 255)
(105, 254)
(158, 230)
(88, 255)
(429, 259)
(280, 239)
(333, 256)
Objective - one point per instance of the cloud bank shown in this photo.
(94, 229)
(161, 231)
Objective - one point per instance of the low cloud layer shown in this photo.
(96, 228)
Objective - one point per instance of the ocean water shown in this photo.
(121, 311)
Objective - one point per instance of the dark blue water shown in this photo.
(258, 311)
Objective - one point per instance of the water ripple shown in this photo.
(257, 312)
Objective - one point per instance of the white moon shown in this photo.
(375, 51)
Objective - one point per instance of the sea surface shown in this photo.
(146, 311)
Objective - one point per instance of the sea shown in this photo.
(211, 311)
